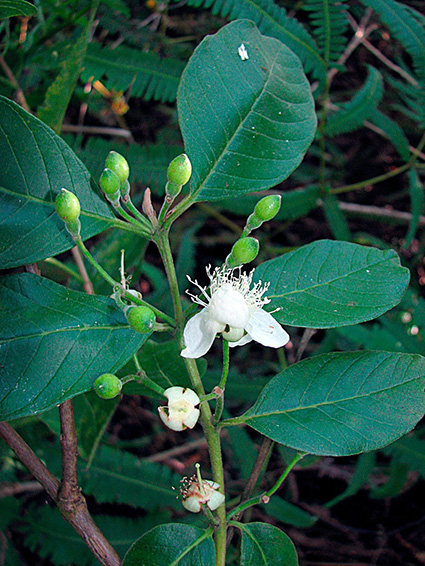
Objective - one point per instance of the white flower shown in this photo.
(180, 412)
(234, 309)
(194, 496)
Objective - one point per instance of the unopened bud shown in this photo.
(180, 170)
(118, 164)
(244, 251)
(67, 206)
(267, 207)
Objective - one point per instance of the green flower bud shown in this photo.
(267, 207)
(141, 319)
(118, 164)
(67, 206)
(107, 386)
(180, 170)
(244, 251)
(172, 190)
(109, 182)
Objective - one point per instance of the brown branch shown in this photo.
(70, 501)
(88, 285)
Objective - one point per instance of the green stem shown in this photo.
(146, 381)
(371, 181)
(212, 434)
(85, 252)
(265, 496)
(136, 212)
(222, 385)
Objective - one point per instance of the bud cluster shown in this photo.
(114, 178)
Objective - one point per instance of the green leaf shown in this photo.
(120, 477)
(342, 403)
(351, 115)
(36, 165)
(396, 481)
(55, 342)
(150, 76)
(288, 513)
(163, 364)
(328, 284)
(394, 133)
(364, 467)
(247, 123)
(273, 21)
(171, 545)
(9, 8)
(59, 93)
(336, 218)
(409, 450)
(265, 545)
(405, 25)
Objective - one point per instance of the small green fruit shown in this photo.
(109, 182)
(244, 251)
(267, 207)
(180, 170)
(118, 164)
(67, 206)
(141, 319)
(107, 386)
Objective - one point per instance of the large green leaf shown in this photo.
(266, 545)
(342, 403)
(172, 545)
(36, 164)
(9, 8)
(55, 342)
(328, 284)
(246, 122)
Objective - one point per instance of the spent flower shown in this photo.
(233, 308)
(196, 492)
(181, 411)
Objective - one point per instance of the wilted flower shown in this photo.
(196, 493)
(234, 309)
(181, 411)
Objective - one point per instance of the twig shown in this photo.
(376, 211)
(88, 286)
(96, 130)
(10, 489)
(177, 451)
(380, 55)
(19, 92)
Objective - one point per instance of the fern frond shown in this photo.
(273, 21)
(393, 132)
(48, 534)
(413, 99)
(407, 26)
(329, 21)
(122, 477)
(147, 74)
(351, 115)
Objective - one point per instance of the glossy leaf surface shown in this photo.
(172, 545)
(330, 283)
(246, 120)
(55, 342)
(266, 545)
(36, 165)
(342, 403)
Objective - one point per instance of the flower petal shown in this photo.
(174, 393)
(192, 419)
(263, 328)
(174, 425)
(199, 334)
(244, 340)
(190, 397)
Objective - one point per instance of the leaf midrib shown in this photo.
(60, 330)
(325, 403)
